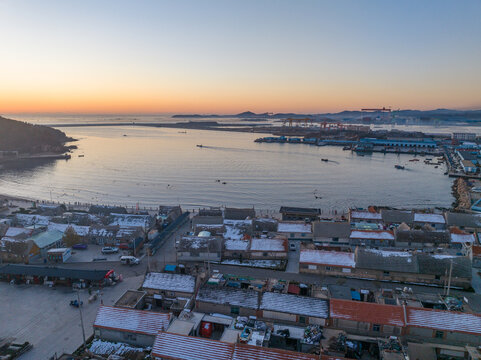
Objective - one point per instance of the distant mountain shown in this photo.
(441, 113)
(27, 138)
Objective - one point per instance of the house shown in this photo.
(135, 327)
(326, 262)
(103, 235)
(131, 221)
(104, 210)
(297, 213)
(45, 241)
(59, 255)
(213, 224)
(239, 214)
(468, 166)
(132, 299)
(82, 231)
(295, 230)
(228, 301)
(251, 352)
(294, 308)
(365, 318)
(265, 224)
(420, 238)
(51, 275)
(35, 221)
(238, 229)
(394, 218)
(435, 269)
(467, 222)
(443, 326)
(436, 221)
(18, 233)
(331, 233)
(268, 249)
(168, 289)
(199, 248)
(460, 237)
(363, 216)
(372, 238)
(236, 249)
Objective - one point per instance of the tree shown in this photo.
(70, 237)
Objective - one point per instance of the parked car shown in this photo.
(129, 260)
(80, 246)
(110, 250)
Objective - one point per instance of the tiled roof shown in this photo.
(169, 282)
(129, 320)
(294, 304)
(250, 352)
(229, 296)
(367, 312)
(331, 258)
(182, 347)
(444, 320)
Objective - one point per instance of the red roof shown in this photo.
(367, 312)
(293, 289)
(251, 352)
(129, 320)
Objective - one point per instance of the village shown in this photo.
(373, 283)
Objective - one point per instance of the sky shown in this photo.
(231, 56)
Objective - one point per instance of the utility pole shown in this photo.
(81, 318)
(449, 279)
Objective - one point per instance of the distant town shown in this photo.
(232, 283)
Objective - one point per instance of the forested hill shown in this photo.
(33, 139)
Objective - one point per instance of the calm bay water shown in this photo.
(155, 166)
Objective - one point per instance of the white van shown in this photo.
(129, 260)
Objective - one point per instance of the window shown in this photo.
(128, 336)
(312, 267)
(328, 268)
(302, 319)
(385, 273)
(292, 235)
(437, 277)
(336, 239)
(376, 327)
(439, 334)
(234, 310)
(303, 235)
(264, 254)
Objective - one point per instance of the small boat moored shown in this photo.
(400, 167)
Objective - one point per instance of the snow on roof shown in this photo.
(294, 304)
(129, 320)
(372, 234)
(268, 245)
(47, 238)
(229, 296)
(183, 347)
(332, 258)
(250, 352)
(240, 245)
(366, 215)
(294, 227)
(445, 320)
(130, 220)
(235, 229)
(29, 219)
(79, 230)
(443, 256)
(462, 238)
(15, 231)
(429, 218)
(387, 253)
(170, 282)
(366, 312)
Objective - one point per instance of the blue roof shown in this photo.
(355, 295)
(47, 238)
(170, 267)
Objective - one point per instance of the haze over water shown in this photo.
(155, 166)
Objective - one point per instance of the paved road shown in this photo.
(293, 258)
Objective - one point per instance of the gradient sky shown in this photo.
(230, 56)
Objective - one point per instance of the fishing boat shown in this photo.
(414, 160)
(400, 167)
(200, 145)
(326, 160)
(346, 148)
(81, 155)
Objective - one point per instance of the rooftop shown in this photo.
(444, 320)
(429, 218)
(129, 320)
(229, 296)
(332, 258)
(47, 238)
(331, 229)
(294, 227)
(372, 234)
(294, 304)
(366, 312)
(274, 245)
(365, 215)
(51, 271)
(169, 282)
